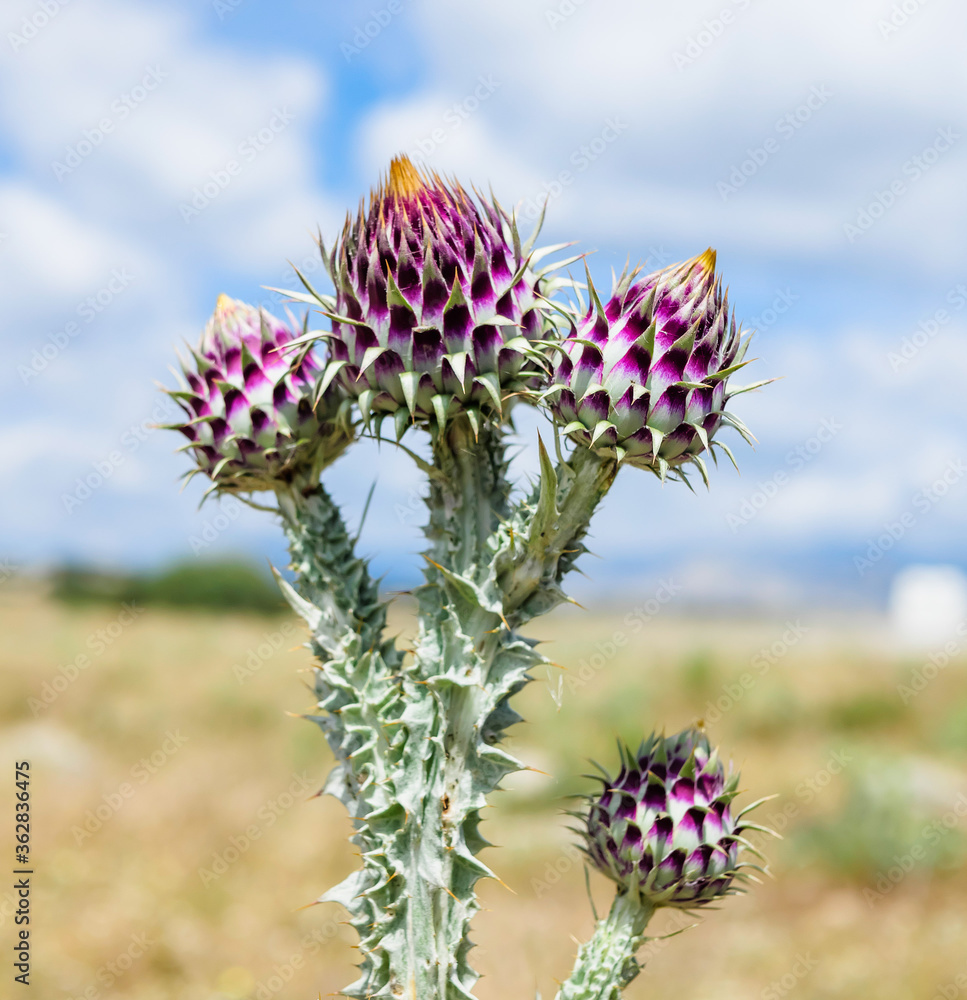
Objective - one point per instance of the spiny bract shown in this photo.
(437, 304)
(251, 422)
(663, 826)
(644, 376)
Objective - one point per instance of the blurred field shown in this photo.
(176, 836)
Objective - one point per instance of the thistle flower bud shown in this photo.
(251, 423)
(436, 304)
(644, 376)
(664, 828)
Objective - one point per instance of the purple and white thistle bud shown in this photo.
(644, 376)
(253, 419)
(436, 304)
(664, 827)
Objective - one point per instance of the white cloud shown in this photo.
(557, 88)
(48, 251)
(124, 111)
(505, 97)
(621, 54)
(561, 78)
(149, 108)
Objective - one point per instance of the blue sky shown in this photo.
(820, 147)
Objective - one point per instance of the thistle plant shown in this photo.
(442, 321)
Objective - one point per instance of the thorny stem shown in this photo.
(418, 741)
(535, 576)
(606, 964)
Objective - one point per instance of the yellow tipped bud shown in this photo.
(404, 179)
(706, 261)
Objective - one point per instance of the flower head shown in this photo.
(436, 308)
(253, 421)
(664, 827)
(644, 376)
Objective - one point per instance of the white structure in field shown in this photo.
(928, 605)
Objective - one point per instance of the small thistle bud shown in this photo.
(664, 828)
(251, 424)
(644, 376)
(436, 306)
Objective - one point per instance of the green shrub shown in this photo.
(896, 809)
(231, 584)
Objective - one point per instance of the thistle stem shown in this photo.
(561, 507)
(328, 572)
(468, 496)
(606, 964)
(456, 649)
(417, 741)
(359, 693)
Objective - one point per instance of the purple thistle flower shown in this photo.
(644, 376)
(437, 306)
(663, 826)
(254, 419)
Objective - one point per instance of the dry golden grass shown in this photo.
(141, 907)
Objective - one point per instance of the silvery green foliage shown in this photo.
(442, 322)
(436, 722)
(606, 964)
